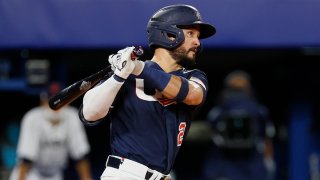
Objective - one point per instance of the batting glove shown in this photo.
(121, 63)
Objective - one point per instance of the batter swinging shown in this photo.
(151, 104)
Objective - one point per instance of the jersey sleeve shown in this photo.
(200, 78)
(80, 111)
(29, 138)
(78, 144)
(86, 122)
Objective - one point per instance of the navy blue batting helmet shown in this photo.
(166, 21)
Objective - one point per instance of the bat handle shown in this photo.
(137, 52)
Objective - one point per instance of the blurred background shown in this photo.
(276, 42)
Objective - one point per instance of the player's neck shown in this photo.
(165, 61)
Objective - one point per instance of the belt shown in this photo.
(133, 167)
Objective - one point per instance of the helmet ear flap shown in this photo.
(165, 36)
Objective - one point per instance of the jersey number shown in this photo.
(182, 128)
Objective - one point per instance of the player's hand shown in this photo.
(121, 63)
(139, 65)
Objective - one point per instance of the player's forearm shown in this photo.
(194, 93)
(173, 87)
(97, 101)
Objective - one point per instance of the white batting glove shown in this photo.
(122, 62)
(139, 65)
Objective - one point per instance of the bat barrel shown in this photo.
(72, 92)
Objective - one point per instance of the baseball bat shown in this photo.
(75, 90)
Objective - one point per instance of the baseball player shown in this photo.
(46, 140)
(151, 103)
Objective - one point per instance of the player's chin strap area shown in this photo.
(135, 168)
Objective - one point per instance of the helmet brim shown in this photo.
(206, 30)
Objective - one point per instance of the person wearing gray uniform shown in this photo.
(47, 139)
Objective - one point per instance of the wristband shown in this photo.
(183, 91)
(118, 78)
(155, 78)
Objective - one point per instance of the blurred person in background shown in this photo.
(242, 134)
(48, 139)
(8, 146)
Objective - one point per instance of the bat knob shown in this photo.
(137, 51)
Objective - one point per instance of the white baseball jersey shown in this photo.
(48, 145)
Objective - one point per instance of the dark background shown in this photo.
(282, 77)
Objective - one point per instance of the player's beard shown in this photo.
(180, 54)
